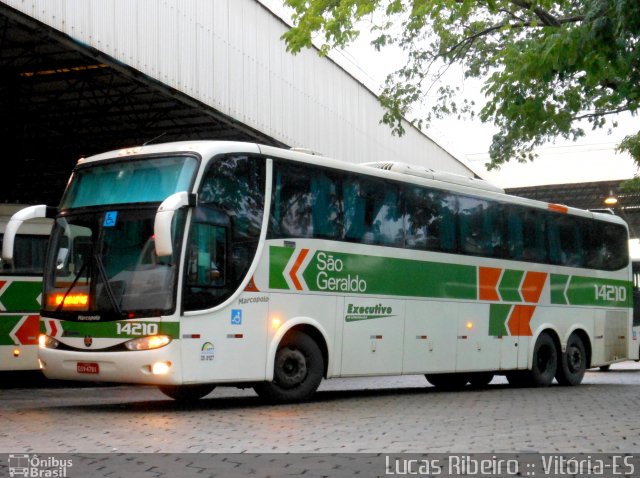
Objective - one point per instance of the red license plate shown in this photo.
(86, 367)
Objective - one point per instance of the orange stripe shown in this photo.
(296, 266)
(519, 320)
(489, 278)
(558, 208)
(532, 286)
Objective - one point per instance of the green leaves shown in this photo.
(546, 65)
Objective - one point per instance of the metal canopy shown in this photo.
(61, 100)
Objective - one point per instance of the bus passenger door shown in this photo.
(372, 336)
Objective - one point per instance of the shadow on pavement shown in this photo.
(36, 379)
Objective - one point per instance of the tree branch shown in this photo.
(545, 17)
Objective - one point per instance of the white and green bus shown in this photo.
(199, 264)
(20, 291)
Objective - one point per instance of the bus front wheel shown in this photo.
(186, 393)
(297, 372)
(573, 363)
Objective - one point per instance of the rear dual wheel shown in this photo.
(567, 368)
(544, 367)
(573, 363)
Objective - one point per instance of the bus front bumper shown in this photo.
(157, 367)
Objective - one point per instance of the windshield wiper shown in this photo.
(73, 284)
(107, 285)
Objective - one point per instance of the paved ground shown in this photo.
(365, 416)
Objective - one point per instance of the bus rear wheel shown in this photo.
(447, 381)
(573, 363)
(186, 393)
(545, 361)
(297, 373)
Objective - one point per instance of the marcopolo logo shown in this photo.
(367, 312)
(38, 467)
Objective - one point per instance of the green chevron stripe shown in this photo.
(590, 291)
(278, 259)
(498, 314)
(509, 286)
(7, 323)
(22, 296)
(558, 284)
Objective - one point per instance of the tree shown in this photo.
(547, 66)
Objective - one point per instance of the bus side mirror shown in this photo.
(164, 218)
(30, 212)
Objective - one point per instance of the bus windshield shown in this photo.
(103, 266)
(129, 181)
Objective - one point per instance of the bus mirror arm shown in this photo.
(31, 212)
(164, 217)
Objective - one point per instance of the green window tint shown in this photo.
(481, 227)
(373, 213)
(306, 203)
(534, 235)
(316, 202)
(421, 219)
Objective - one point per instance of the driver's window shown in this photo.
(206, 256)
(206, 278)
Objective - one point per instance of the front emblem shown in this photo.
(88, 341)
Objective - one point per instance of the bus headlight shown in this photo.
(47, 342)
(148, 343)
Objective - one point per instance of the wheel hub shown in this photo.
(291, 368)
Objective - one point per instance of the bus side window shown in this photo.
(421, 220)
(447, 206)
(534, 235)
(354, 210)
(515, 239)
(571, 241)
(292, 204)
(373, 213)
(326, 206)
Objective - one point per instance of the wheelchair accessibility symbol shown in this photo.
(236, 317)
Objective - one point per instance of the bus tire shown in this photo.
(545, 361)
(447, 381)
(297, 372)
(572, 363)
(186, 393)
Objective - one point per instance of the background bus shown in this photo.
(20, 292)
(207, 263)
